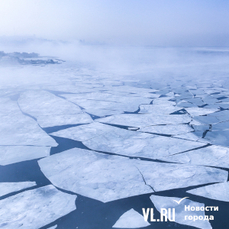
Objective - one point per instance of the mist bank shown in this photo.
(143, 63)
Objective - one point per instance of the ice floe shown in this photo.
(50, 110)
(38, 102)
(195, 111)
(98, 176)
(107, 178)
(142, 120)
(167, 129)
(14, 154)
(35, 208)
(59, 120)
(218, 137)
(131, 219)
(22, 130)
(182, 216)
(215, 191)
(221, 115)
(209, 156)
(158, 109)
(107, 138)
(166, 176)
(9, 187)
(112, 104)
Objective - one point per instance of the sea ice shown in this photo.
(218, 137)
(14, 154)
(221, 115)
(107, 178)
(35, 208)
(9, 107)
(107, 138)
(181, 216)
(131, 219)
(142, 120)
(158, 109)
(221, 126)
(19, 129)
(167, 176)
(39, 102)
(167, 129)
(215, 191)
(114, 103)
(192, 137)
(209, 156)
(195, 111)
(59, 120)
(99, 176)
(9, 187)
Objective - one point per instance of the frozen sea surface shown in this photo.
(87, 143)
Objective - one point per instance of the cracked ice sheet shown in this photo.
(158, 109)
(167, 129)
(44, 105)
(19, 129)
(221, 115)
(131, 219)
(9, 107)
(196, 111)
(22, 130)
(221, 126)
(35, 208)
(98, 176)
(97, 136)
(180, 213)
(9, 187)
(107, 178)
(115, 103)
(216, 191)
(167, 176)
(209, 156)
(218, 137)
(135, 91)
(142, 120)
(14, 154)
(59, 120)
(164, 101)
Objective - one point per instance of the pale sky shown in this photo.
(145, 22)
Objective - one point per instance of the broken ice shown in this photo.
(107, 178)
(131, 219)
(181, 216)
(107, 138)
(46, 203)
(215, 191)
